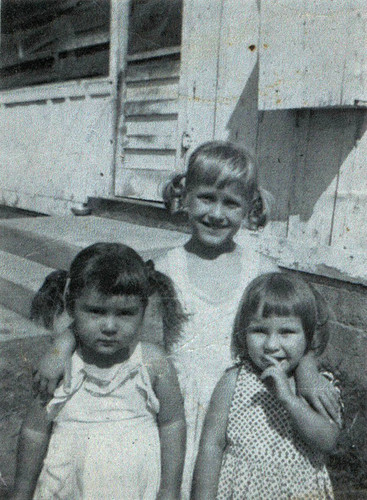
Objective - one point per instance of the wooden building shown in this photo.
(106, 98)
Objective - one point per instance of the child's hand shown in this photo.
(51, 371)
(322, 396)
(277, 380)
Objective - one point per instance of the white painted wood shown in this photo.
(350, 222)
(61, 150)
(168, 141)
(153, 70)
(153, 126)
(199, 72)
(149, 160)
(277, 143)
(312, 54)
(73, 88)
(143, 184)
(152, 90)
(236, 110)
(326, 138)
(118, 37)
(147, 108)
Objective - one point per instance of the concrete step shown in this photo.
(31, 248)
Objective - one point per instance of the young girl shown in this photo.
(118, 431)
(219, 191)
(261, 439)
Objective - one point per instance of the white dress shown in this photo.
(105, 441)
(203, 352)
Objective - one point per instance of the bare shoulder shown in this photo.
(156, 360)
(223, 392)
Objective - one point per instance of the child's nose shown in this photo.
(217, 211)
(271, 343)
(109, 326)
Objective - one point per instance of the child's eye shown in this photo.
(206, 198)
(288, 332)
(232, 204)
(96, 311)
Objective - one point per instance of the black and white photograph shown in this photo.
(183, 250)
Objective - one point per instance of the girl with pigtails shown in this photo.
(115, 427)
(219, 193)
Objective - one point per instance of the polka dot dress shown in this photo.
(265, 459)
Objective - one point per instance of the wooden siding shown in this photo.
(312, 54)
(148, 129)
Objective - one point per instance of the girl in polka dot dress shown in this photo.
(261, 440)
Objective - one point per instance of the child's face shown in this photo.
(277, 339)
(107, 325)
(215, 213)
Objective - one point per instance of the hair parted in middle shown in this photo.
(221, 163)
(282, 294)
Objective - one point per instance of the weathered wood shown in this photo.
(151, 141)
(154, 126)
(152, 91)
(153, 54)
(350, 221)
(142, 184)
(316, 175)
(153, 70)
(199, 72)
(236, 97)
(142, 108)
(147, 159)
(61, 150)
(312, 54)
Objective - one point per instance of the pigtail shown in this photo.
(173, 314)
(324, 316)
(260, 209)
(49, 301)
(173, 193)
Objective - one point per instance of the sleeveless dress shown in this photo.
(105, 441)
(265, 457)
(203, 351)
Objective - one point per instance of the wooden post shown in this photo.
(118, 51)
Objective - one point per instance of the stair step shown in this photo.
(16, 327)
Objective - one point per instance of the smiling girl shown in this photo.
(261, 439)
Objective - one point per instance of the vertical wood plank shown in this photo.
(312, 206)
(350, 222)
(276, 154)
(313, 54)
(236, 112)
(199, 71)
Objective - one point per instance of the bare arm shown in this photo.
(32, 447)
(318, 431)
(213, 439)
(52, 366)
(171, 420)
(315, 388)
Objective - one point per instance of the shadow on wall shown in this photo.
(300, 152)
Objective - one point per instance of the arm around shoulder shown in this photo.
(213, 439)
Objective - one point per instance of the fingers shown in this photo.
(331, 407)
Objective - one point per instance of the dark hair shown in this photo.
(49, 300)
(221, 163)
(116, 269)
(282, 294)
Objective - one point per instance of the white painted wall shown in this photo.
(56, 145)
